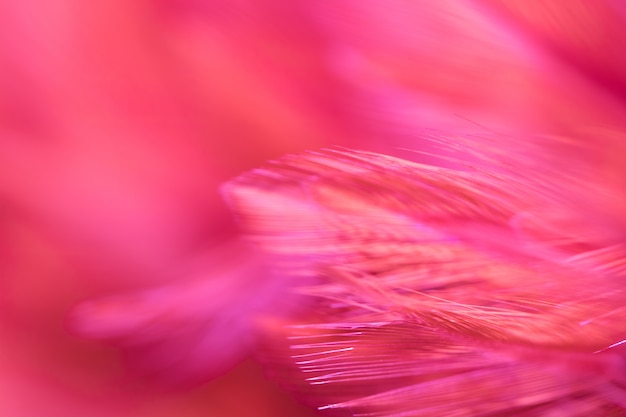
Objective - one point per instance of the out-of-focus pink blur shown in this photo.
(119, 120)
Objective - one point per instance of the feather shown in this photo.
(443, 291)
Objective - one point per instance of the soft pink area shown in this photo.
(119, 119)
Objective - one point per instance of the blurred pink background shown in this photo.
(120, 119)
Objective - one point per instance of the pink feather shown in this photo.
(487, 289)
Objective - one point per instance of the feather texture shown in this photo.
(478, 290)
